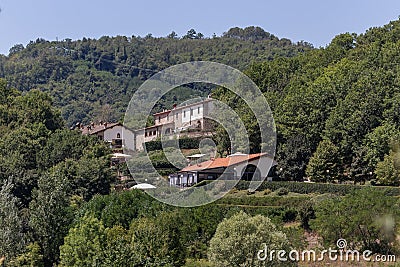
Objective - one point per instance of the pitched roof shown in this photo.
(223, 162)
(98, 128)
(184, 106)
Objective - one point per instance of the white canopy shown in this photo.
(143, 186)
(120, 155)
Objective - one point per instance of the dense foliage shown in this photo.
(337, 116)
(336, 108)
(44, 169)
(94, 79)
(238, 239)
(373, 225)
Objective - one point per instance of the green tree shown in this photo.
(50, 214)
(157, 242)
(90, 243)
(15, 49)
(84, 244)
(387, 171)
(325, 163)
(118, 250)
(37, 107)
(293, 156)
(64, 144)
(191, 34)
(87, 176)
(238, 239)
(32, 257)
(12, 237)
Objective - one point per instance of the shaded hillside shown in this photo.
(95, 78)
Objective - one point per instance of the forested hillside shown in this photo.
(337, 112)
(94, 79)
(337, 109)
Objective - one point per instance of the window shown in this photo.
(168, 117)
(145, 134)
(159, 118)
(184, 113)
(191, 112)
(118, 135)
(116, 143)
(154, 132)
(198, 110)
(176, 115)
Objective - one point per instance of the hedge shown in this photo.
(267, 201)
(184, 143)
(320, 188)
(309, 188)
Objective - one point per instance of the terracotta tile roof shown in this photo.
(98, 128)
(223, 162)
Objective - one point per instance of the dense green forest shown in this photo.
(336, 108)
(337, 113)
(94, 79)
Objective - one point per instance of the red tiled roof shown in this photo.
(223, 162)
(98, 128)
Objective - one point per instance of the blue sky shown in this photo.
(310, 20)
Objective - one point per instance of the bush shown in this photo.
(306, 213)
(266, 191)
(289, 215)
(239, 237)
(282, 191)
(268, 200)
(367, 217)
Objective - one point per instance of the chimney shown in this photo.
(212, 158)
(174, 106)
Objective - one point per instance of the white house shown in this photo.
(116, 134)
(234, 167)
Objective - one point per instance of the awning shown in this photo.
(143, 186)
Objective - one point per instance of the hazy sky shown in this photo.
(314, 21)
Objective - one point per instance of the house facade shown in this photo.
(118, 136)
(187, 120)
(234, 167)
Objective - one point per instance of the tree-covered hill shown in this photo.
(94, 79)
(336, 108)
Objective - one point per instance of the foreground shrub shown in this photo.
(282, 191)
(239, 238)
(367, 219)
